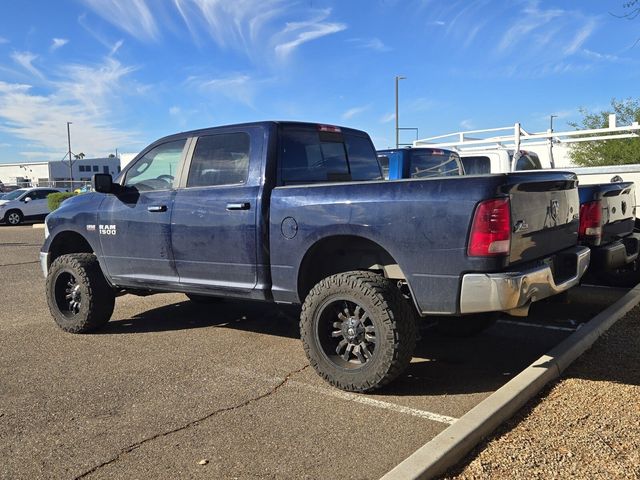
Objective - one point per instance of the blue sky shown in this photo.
(127, 72)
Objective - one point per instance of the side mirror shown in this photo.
(103, 183)
(27, 199)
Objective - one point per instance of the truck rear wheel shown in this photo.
(79, 298)
(357, 330)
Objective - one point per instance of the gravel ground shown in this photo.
(586, 425)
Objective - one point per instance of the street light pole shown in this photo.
(398, 78)
(70, 163)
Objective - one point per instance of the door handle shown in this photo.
(238, 206)
(157, 208)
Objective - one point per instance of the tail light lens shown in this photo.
(491, 229)
(590, 220)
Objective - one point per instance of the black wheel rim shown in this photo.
(346, 334)
(67, 294)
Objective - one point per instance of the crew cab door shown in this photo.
(214, 217)
(135, 223)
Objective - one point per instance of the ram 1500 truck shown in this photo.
(607, 220)
(298, 213)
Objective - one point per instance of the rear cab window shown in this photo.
(434, 163)
(528, 161)
(476, 165)
(320, 154)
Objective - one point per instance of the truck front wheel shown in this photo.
(79, 298)
(357, 330)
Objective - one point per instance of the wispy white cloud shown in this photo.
(56, 43)
(238, 87)
(388, 117)
(3, 40)
(116, 47)
(25, 60)
(83, 94)
(352, 112)
(580, 37)
(374, 44)
(250, 26)
(467, 124)
(296, 33)
(420, 104)
(132, 16)
(437, 23)
(111, 46)
(559, 34)
(605, 57)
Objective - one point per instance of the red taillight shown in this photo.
(590, 220)
(491, 229)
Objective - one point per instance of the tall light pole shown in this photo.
(70, 163)
(398, 78)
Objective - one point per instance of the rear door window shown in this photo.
(220, 160)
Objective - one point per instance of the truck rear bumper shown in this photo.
(616, 254)
(492, 292)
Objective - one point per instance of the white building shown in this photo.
(56, 173)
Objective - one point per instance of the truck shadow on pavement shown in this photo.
(259, 317)
(441, 365)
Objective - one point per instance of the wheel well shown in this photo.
(68, 242)
(344, 253)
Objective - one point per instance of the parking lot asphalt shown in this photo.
(172, 389)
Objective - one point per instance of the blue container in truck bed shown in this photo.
(299, 213)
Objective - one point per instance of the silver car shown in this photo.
(25, 204)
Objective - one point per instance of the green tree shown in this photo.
(608, 152)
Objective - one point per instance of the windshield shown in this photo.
(15, 194)
(434, 163)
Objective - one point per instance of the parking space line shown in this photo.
(359, 398)
(350, 397)
(537, 325)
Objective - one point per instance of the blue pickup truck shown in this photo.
(299, 213)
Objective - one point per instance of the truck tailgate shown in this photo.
(617, 202)
(544, 214)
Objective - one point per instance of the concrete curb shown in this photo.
(452, 444)
(37, 225)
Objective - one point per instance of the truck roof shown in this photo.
(265, 123)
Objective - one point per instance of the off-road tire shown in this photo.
(96, 297)
(13, 214)
(389, 314)
(465, 325)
